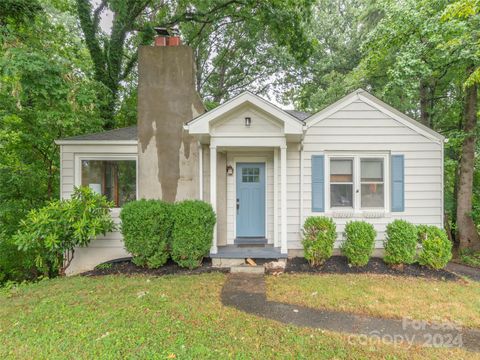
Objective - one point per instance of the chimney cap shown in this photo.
(161, 31)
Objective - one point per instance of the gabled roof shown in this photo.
(292, 123)
(126, 134)
(379, 105)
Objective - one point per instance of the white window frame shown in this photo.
(107, 157)
(356, 156)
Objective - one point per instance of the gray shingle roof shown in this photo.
(130, 133)
(127, 133)
(300, 115)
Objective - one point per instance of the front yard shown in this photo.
(181, 316)
(384, 296)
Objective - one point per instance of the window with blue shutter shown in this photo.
(318, 183)
(398, 183)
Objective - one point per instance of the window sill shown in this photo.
(358, 214)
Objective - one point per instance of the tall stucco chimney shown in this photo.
(167, 99)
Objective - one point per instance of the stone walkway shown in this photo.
(247, 293)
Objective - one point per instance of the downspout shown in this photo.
(301, 179)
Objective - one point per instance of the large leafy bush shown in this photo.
(436, 248)
(52, 233)
(319, 234)
(147, 227)
(192, 234)
(400, 243)
(359, 243)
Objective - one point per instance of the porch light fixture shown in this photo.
(229, 170)
(248, 121)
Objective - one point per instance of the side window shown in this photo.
(341, 182)
(116, 179)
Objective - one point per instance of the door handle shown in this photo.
(238, 204)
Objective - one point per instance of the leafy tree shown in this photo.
(233, 42)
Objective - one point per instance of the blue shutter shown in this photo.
(318, 183)
(398, 183)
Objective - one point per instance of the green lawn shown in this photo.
(165, 317)
(384, 296)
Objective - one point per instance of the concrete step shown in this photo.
(247, 269)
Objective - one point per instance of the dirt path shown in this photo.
(247, 293)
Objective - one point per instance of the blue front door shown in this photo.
(250, 199)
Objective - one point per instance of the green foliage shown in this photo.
(147, 228)
(400, 242)
(45, 94)
(52, 232)
(436, 248)
(192, 234)
(319, 234)
(15, 265)
(359, 243)
(470, 257)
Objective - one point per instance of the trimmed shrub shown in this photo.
(147, 228)
(400, 243)
(319, 234)
(192, 234)
(436, 248)
(359, 243)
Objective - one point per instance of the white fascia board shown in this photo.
(96, 142)
(331, 109)
(376, 103)
(200, 125)
(400, 117)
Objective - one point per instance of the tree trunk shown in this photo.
(424, 103)
(467, 234)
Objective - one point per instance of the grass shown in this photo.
(383, 296)
(179, 317)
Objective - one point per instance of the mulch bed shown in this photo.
(126, 267)
(339, 265)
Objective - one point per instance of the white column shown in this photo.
(200, 171)
(283, 190)
(275, 198)
(213, 192)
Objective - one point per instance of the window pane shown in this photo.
(372, 195)
(341, 195)
(372, 170)
(117, 180)
(341, 170)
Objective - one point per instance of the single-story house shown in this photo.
(263, 169)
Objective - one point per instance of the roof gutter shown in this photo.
(96, 142)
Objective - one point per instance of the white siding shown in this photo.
(234, 124)
(359, 127)
(86, 258)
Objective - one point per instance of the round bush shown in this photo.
(147, 228)
(319, 234)
(192, 234)
(360, 239)
(436, 248)
(400, 243)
